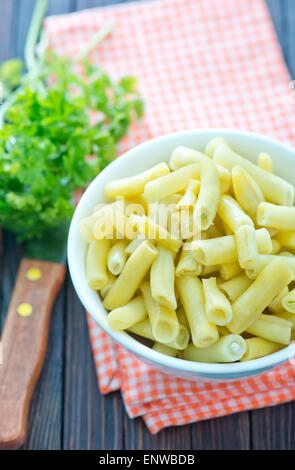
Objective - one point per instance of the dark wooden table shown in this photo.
(68, 412)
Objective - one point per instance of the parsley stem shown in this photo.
(30, 57)
(95, 40)
(33, 34)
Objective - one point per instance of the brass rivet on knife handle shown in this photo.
(34, 274)
(24, 342)
(25, 309)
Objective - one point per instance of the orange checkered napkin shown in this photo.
(200, 63)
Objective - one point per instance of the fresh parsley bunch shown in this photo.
(60, 131)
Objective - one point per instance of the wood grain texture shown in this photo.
(273, 428)
(67, 409)
(91, 421)
(24, 342)
(45, 429)
(7, 45)
(137, 436)
(226, 433)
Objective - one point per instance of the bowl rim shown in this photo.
(131, 344)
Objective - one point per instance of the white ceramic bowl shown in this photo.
(136, 160)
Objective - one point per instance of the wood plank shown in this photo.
(276, 11)
(137, 436)
(83, 4)
(226, 433)
(91, 421)
(10, 261)
(57, 7)
(289, 19)
(273, 428)
(7, 21)
(46, 415)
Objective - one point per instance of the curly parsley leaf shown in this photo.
(57, 138)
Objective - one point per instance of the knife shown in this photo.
(25, 333)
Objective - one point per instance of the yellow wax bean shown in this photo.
(228, 348)
(214, 268)
(117, 257)
(286, 253)
(288, 301)
(212, 145)
(272, 231)
(246, 191)
(265, 162)
(134, 185)
(279, 217)
(87, 224)
(143, 328)
(286, 239)
(218, 222)
(182, 318)
(123, 317)
(235, 286)
(229, 270)
(190, 196)
(218, 309)
(232, 214)
(164, 349)
(182, 339)
(154, 231)
(275, 305)
(172, 183)
(213, 232)
(272, 328)
(208, 199)
(182, 156)
(246, 308)
(162, 278)
(131, 276)
(164, 321)
(128, 227)
(262, 260)
(274, 188)
(276, 246)
(111, 279)
(224, 249)
(246, 245)
(222, 330)
(188, 265)
(259, 347)
(133, 245)
(186, 228)
(224, 179)
(287, 316)
(96, 263)
(192, 298)
(172, 199)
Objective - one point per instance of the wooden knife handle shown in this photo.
(24, 343)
